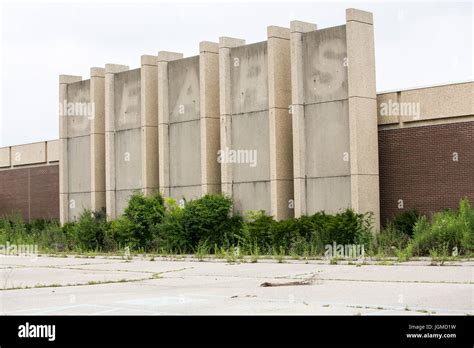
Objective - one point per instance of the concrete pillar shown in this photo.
(225, 44)
(64, 80)
(279, 98)
(110, 70)
(297, 110)
(97, 139)
(149, 123)
(362, 113)
(163, 120)
(210, 117)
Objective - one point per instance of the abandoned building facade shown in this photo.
(291, 125)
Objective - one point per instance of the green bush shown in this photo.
(14, 230)
(345, 227)
(135, 226)
(405, 221)
(466, 214)
(449, 230)
(209, 220)
(120, 235)
(285, 235)
(69, 231)
(48, 235)
(51, 236)
(307, 234)
(39, 225)
(170, 234)
(206, 225)
(309, 228)
(256, 231)
(90, 230)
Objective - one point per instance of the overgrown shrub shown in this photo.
(52, 237)
(39, 225)
(209, 220)
(405, 221)
(120, 235)
(135, 226)
(308, 234)
(69, 232)
(448, 230)
(14, 231)
(286, 234)
(47, 235)
(390, 240)
(466, 214)
(206, 225)
(90, 230)
(256, 231)
(345, 227)
(170, 235)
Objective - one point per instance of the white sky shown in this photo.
(416, 44)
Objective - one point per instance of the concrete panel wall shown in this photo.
(78, 151)
(127, 135)
(64, 80)
(127, 100)
(121, 198)
(210, 116)
(131, 133)
(97, 139)
(188, 101)
(365, 196)
(256, 134)
(334, 117)
(149, 124)
(184, 127)
(280, 122)
(249, 131)
(127, 160)
(79, 170)
(110, 134)
(323, 122)
(82, 144)
(326, 120)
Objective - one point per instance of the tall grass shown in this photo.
(448, 233)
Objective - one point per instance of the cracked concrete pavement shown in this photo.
(113, 286)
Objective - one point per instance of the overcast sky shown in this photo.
(416, 44)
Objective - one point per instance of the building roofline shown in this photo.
(425, 87)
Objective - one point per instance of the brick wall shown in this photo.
(33, 192)
(416, 165)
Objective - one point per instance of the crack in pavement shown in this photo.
(69, 265)
(154, 275)
(298, 278)
(398, 281)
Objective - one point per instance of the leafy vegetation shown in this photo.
(207, 226)
(405, 222)
(447, 233)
